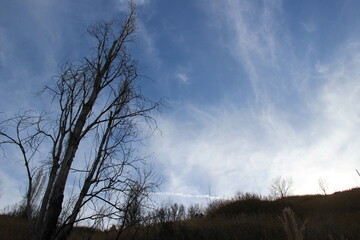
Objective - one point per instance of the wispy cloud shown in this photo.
(184, 195)
(255, 43)
(241, 150)
(182, 77)
(233, 148)
(309, 26)
(303, 122)
(10, 193)
(124, 4)
(148, 42)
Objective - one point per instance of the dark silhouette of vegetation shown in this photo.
(288, 220)
(246, 216)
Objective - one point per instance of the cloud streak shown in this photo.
(123, 4)
(236, 147)
(254, 27)
(303, 121)
(184, 195)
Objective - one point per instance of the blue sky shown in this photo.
(255, 89)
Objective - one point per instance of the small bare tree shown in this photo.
(133, 208)
(281, 187)
(97, 107)
(323, 185)
(27, 136)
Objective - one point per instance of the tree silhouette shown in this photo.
(97, 106)
(281, 187)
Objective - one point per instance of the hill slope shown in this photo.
(335, 216)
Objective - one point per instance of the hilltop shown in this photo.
(249, 216)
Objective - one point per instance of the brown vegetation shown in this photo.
(248, 216)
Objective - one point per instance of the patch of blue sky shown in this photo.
(194, 64)
(255, 88)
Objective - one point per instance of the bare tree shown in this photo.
(195, 211)
(27, 135)
(98, 107)
(133, 208)
(323, 185)
(281, 187)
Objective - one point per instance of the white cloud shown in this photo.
(309, 26)
(174, 194)
(148, 42)
(233, 149)
(123, 5)
(320, 68)
(182, 74)
(4, 44)
(255, 41)
(183, 77)
(10, 193)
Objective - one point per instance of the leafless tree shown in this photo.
(27, 136)
(135, 204)
(281, 187)
(97, 108)
(195, 211)
(323, 185)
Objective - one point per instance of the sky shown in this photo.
(254, 88)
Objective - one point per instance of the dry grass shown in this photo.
(13, 228)
(335, 216)
(293, 232)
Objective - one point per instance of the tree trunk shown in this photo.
(86, 186)
(56, 199)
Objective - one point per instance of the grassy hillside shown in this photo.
(335, 216)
